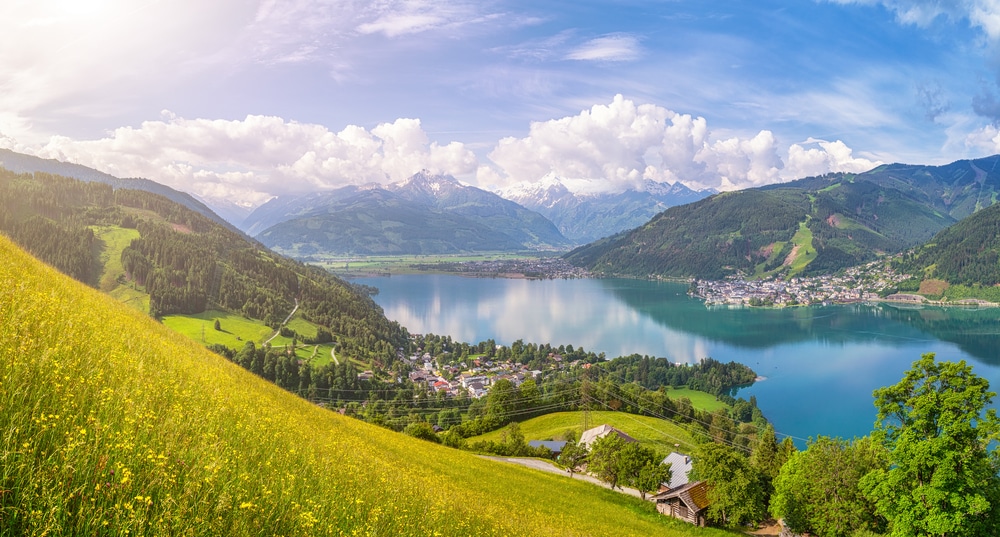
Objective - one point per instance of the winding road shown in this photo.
(283, 323)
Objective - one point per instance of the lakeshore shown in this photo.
(867, 283)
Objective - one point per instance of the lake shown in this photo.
(821, 363)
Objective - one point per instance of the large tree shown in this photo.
(942, 474)
(603, 462)
(737, 492)
(639, 467)
(817, 489)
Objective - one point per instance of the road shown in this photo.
(283, 323)
(546, 466)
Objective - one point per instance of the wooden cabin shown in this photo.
(687, 503)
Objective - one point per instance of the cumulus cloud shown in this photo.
(609, 48)
(985, 140)
(817, 157)
(609, 147)
(251, 160)
(620, 145)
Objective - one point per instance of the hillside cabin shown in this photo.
(680, 467)
(590, 435)
(687, 503)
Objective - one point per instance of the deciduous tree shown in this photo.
(942, 474)
(736, 489)
(817, 489)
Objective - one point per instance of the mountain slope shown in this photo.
(588, 217)
(966, 253)
(108, 420)
(810, 226)
(423, 215)
(183, 262)
(20, 163)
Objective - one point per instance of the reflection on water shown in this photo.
(822, 363)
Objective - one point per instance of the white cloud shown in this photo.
(609, 147)
(619, 145)
(251, 160)
(985, 140)
(610, 48)
(823, 156)
(981, 14)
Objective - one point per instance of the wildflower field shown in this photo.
(111, 424)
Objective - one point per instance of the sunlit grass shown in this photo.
(803, 239)
(235, 331)
(699, 400)
(111, 424)
(112, 240)
(656, 433)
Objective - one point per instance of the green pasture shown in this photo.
(662, 436)
(236, 329)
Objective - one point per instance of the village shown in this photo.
(475, 377)
(874, 281)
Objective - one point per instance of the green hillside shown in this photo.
(852, 219)
(165, 259)
(964, 259)
(663, 436)
(111, 423)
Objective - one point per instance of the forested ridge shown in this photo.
(967, 253)
(811, 226)
(185, 261)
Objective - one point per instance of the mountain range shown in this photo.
(425, 214)
(814, 225)
(586, 217)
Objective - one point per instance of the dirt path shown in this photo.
(283, 323)
(545, 466)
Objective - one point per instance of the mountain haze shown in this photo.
(588, 217)
(426, 214)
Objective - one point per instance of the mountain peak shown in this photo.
(426, 179)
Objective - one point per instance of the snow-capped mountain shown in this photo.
(586, 217)
(425, 214)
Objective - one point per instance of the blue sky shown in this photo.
(238, 101)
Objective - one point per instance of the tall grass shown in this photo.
(112, 425)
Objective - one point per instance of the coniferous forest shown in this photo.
(186, 262)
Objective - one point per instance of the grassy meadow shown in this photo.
(656, 433)
(112, 240)
(112, 424)
(700, 400)
(235, 331)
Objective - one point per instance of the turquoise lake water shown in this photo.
(821, 363)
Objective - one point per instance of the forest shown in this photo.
(186, 262)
